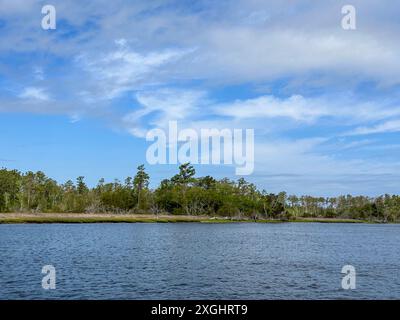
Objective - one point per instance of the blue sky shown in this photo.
(323, 101)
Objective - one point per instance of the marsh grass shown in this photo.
(11, 218)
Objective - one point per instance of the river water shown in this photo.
(200, 261)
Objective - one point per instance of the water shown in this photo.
(200, 261)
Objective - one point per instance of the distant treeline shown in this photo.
(183, 194)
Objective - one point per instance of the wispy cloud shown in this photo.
(387, 126)
(38, 73)
(159, 107)
(35, 94)
(309, 109)
(125, 70)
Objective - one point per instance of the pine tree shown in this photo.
(140, 183)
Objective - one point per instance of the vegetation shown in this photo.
(183, 195)
(101, 218)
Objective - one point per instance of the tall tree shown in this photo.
(81, 185)
(140, 183)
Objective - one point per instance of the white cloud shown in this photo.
(125, 70)
(238, 41)
(295, 107)
(387, 126)
(38, 73)
(34, 93)
(193, 109)
(306, 109)
(162, 106)
(238, 54)
(121, 42)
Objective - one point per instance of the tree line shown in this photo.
(182, 194)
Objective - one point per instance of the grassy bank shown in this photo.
(93, 218)
(330, 220)
(139, 218)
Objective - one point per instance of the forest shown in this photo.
(182, 194)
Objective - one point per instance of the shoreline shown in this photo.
(23, 218)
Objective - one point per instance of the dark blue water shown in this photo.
(200, 261)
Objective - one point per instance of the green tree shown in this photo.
(81, 186)
(141, 184)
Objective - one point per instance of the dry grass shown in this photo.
(136, 218)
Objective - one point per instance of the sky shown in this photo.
(323, 101)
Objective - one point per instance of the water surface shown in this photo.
(199, 261)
